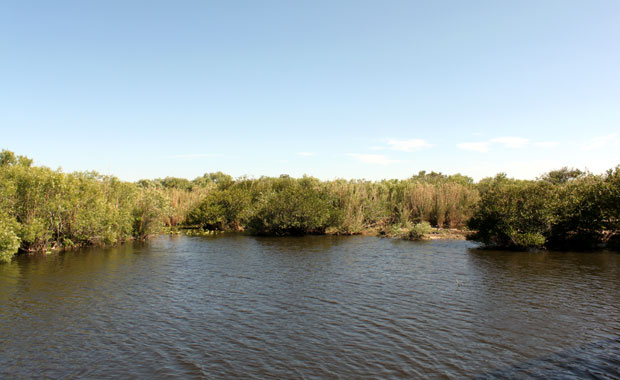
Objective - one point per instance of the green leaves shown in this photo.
(565, 209)
(53, 209)
(9, 241)
(149, 210)
(222, 209)
(514, 214)
(42, 208)
(293, 208)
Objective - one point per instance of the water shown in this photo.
(314, 307)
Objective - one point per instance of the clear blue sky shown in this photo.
(335, 88)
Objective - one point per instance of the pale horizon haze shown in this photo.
(331, 89)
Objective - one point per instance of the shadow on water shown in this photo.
(546, 296)
(596, 360)
(551, 266)
(301, 243)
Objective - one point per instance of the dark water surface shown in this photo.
(314, 307)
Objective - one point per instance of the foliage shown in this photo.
(269, 204)
(9, 241)
(514, 214)
(221, 210)
(148, 212)
(176, 183)
(293, 208)
(408, 231)
(564, 209)
(443, 201)
(418, 231)
(181, 202)
(580, 220)
(8, 158)
(563, 175)
(51, 209)
(610, 200)
(220, 179)
(42, 209)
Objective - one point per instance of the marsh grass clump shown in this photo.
(441, 200)
(418, 231)
(408, 231)
(199, 232)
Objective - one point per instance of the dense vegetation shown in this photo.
(564, 209)
(288, 206)
(42, 209)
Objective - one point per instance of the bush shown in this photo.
(580, 221)
(293, 208)
(418, 231)
(9, 241)
(566, 209)
(52, 209)
(408, 231)
(221, 210)
(514, 214)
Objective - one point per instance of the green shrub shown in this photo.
(293, 208)
(566, 209)
(580, 215)
(418, 231)
(514, 214)
(9, 241)
(222, 210)
(53, 209)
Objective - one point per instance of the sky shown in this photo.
(328, 88)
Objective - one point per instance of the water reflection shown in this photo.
(597, 360)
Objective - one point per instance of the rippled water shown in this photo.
(315, 307)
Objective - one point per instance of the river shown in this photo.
(323, 307)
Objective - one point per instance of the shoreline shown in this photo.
(448, 234)
(435, 234)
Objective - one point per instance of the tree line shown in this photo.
(42, 209)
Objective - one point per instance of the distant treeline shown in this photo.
(42, 209)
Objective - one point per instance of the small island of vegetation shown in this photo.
(43, 209)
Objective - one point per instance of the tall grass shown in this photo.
(442, 201)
